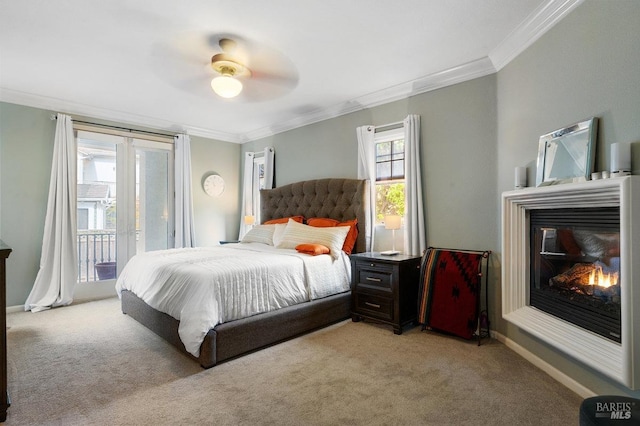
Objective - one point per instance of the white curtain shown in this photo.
(185, 230)
(414, 227)
(247, 192)
(367, 170)
(58, 272)
(251, 185)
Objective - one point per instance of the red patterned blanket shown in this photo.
(450, 289)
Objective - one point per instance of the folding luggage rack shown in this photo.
(450, 292)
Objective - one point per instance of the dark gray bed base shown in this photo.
(238, 337)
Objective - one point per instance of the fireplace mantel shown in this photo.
(620, 361)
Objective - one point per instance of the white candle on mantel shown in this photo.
(521, 177)
(620, 157)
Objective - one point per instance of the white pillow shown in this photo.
(296, 233)
(260, 234)
(278, 233)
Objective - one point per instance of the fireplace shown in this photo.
(553, 238)
(575, 266)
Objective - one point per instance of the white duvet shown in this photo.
(203, 287)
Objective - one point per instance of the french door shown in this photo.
(125, 201)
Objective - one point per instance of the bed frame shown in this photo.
(341, 199)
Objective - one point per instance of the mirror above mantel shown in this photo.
(567, 154)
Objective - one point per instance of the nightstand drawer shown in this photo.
(375, 278)
(375, 306)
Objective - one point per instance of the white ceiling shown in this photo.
(147, 63)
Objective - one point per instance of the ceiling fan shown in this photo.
(239, 69)
(230, 69)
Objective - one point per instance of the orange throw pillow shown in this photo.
(313, 249)
(299, 219)
(352, 236)
(322, 222)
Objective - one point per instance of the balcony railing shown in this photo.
(96, 255)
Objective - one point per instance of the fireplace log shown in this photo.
(578, 274)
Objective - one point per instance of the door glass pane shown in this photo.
(96, 208)
(152, 200)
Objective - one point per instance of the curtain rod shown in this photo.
(258, 154)
(390, 126)
(107, 126)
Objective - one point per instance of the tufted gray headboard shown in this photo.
(340, 199)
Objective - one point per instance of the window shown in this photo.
(257, 175)
(257, 184)
(258, 165)
(390, 160)
(124, 202)
(389, 157)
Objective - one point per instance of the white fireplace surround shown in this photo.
(620, 361)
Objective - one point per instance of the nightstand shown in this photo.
(385, 288)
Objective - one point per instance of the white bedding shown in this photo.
(203, 287)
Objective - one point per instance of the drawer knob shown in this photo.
(377, 280)
(372, 305)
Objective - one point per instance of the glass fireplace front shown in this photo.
(575, 266)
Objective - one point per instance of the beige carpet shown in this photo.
(88, 364)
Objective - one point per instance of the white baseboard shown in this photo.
(558, 375)
(14, 309)
(84, 292)
(94, 290)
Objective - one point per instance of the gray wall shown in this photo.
(26, 149)
(217, 218)
(26, 143)
(586, 66)
(458, 156)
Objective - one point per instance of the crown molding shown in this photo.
(458, 74)
(212, 134)
(531, 29)
(74, 108)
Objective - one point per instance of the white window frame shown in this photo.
(386, 136)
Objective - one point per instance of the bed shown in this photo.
(338, 199)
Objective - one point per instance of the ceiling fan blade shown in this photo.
(183, 69)
(273, 75)
(263, 90)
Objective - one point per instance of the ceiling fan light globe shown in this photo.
(226, 86)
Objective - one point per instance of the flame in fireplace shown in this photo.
(599, 278)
